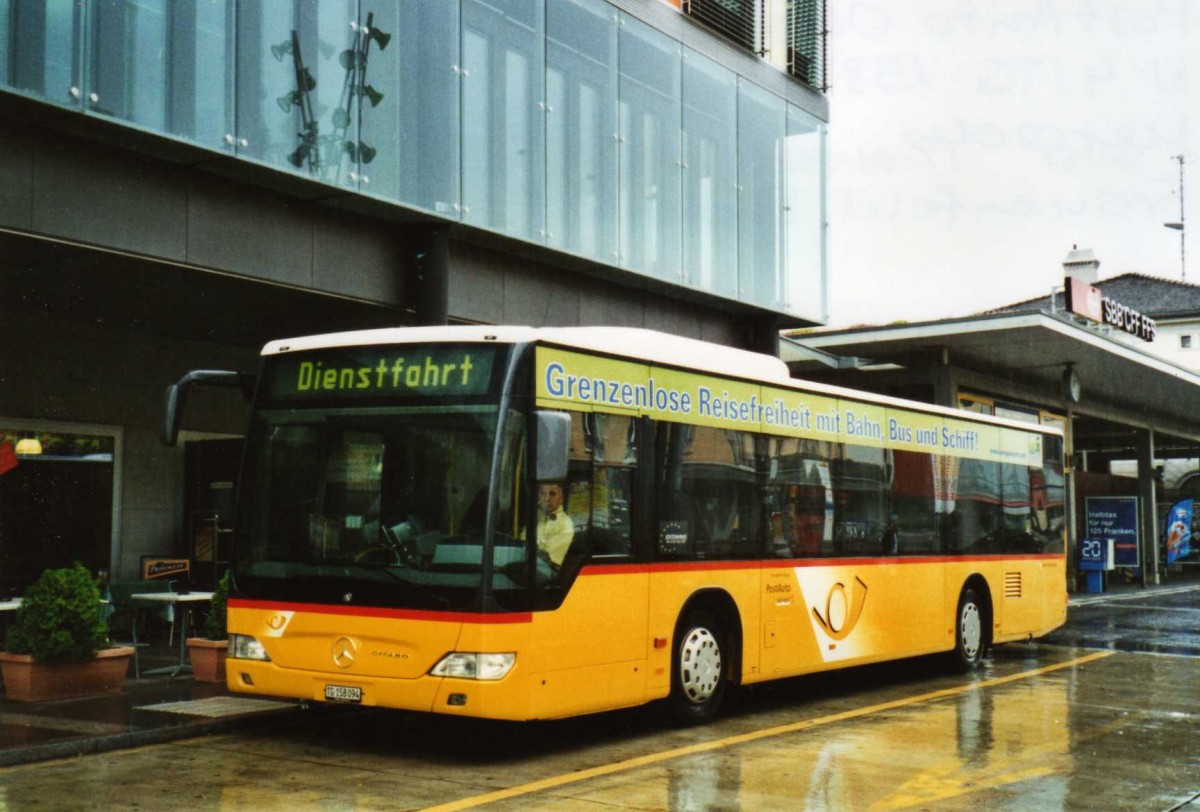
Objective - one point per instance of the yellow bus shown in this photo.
(721, 524)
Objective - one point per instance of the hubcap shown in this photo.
(972, 630)
(699, 665)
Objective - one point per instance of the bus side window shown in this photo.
(603, 459)
(709, 493)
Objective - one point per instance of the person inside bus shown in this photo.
(555, 530)
(889, 544)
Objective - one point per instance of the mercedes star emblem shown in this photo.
(343, 652)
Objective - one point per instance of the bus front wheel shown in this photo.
(970, 637)
(698, 668)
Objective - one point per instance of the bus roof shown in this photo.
(651, 346)
(632, 342)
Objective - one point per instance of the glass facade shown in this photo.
(565, 123)
(581, 128)
(710, 176)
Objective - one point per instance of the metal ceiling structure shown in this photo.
(1123, 388)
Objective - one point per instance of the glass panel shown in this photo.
(367, 472)
(1048, 501)
(860, 496)
(709, 175)
(5, 45)
(650, 151)
(800, 497)
(164, 66)
(379, 503)
(708, 496)
(56, 502)
(129, 61)
(762, 124)
(804, 282)
(298, 85)
(585, 517)
(916, 514)
(603, 455)
(42, 48)
(503, 121)
(410, 118)
(581, 128)
(202, 90)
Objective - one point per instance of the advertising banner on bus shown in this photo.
(566, 378)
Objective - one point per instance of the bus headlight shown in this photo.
(472, 665)
(245, 647)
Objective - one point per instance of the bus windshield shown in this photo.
(357, 498)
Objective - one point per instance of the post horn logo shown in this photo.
(841, 615)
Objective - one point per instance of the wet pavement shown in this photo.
(1161, 620)
(149, 710)
(1102, 715)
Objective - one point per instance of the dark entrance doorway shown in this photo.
(210, 476)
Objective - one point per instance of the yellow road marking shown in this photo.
(951, 788)
(731, 741)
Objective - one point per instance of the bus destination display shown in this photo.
(382, 371)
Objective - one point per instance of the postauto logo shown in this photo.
(835, 606)
(841, 612)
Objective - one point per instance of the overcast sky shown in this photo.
(973, 142)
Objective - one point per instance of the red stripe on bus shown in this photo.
(377, 611)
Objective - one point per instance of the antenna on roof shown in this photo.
(1179, 226)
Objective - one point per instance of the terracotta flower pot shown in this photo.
(29, 680)
(208, 658)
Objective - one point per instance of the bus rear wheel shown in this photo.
(698, 668)
(970, 632)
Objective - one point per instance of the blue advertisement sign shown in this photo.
(1116, 518)
(1177, 536)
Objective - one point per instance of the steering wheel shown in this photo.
(392, 550)
(403, 545)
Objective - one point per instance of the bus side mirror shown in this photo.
(553, 445)
(175, 400)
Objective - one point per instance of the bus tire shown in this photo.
(699, 668)
(970, 632)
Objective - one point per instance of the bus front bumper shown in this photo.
(499, 699)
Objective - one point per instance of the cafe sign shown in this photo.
(1089, 302)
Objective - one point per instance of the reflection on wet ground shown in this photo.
(1161, 624)
(1041, 727)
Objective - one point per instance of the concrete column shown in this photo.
(430, 274)
(1149, 506)
(1072, 541)
(761, 334)
(945, 387)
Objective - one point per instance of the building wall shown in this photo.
(621, 134)
(56, 371)
(138, 242)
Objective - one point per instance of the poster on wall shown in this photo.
(8, 458)
(1178, 536)
(1116, 518)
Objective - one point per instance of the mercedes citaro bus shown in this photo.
(727, 524)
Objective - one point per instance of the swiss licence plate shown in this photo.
(343, 693)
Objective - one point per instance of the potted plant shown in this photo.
(208, 653)
(57, 646)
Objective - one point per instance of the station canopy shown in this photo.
(1123, 388)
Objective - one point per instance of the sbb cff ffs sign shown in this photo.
(1087, 301)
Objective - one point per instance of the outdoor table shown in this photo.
(171, 599)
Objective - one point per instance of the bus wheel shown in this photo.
(698, 668)
(970, 639)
